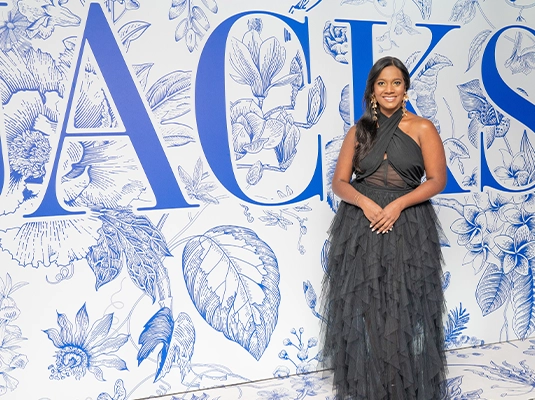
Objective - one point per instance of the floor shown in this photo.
(489, 372)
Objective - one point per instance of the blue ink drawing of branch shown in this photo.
(304, 363)
(195, 24)
(11, 358)
(257, 64)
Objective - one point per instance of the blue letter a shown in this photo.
(133, 111)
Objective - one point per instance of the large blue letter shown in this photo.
(210, 107)
(133, 112)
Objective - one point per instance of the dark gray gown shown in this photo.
(383, 297)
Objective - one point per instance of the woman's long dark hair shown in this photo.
(366, 127)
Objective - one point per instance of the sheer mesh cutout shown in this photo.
(386, 176)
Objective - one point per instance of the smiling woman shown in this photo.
(383, 290)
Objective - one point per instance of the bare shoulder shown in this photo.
(420, 129)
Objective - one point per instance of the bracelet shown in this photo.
(356, 199)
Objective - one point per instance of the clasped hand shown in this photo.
(381, 219)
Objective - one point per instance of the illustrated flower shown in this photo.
(251, 132)
(28, 154)
(8, 308)
(517, 252)
(281, 372)
(308, 385)
(13, 30)
(464, 11)
(514, 170)
(287, 148)
(258, 62)
(518, 218)
(7, 383)
(44, 15)
(470, 228)
(272, 219)
(335, 41)
(310, 294)
(317, 98)
(276, 394)
(82, 349)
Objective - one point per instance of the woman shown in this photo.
(383, 292)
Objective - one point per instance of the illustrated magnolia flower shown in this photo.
(82, 349)
(251, 132)
(281, 372)
(258, 62)
(255, 173)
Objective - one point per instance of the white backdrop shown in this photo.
(165, 180)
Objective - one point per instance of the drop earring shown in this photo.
(404, 105)
(373, 102)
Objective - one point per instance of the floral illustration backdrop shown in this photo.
(165, 174)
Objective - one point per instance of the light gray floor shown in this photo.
(491, 372)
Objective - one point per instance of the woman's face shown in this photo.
(389, 89)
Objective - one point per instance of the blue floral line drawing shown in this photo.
(131, 240)
(311, 299)
(195, 24)
(82, 349)
(195, 187)
(497, 234)
(11, 358)
(458, 318)
(482, 114)
(522, 59)
(283, 218)
(132, 31)
(451, 389)
(464, 11)
(118, 8)
(335, 41)
(257, 64)
(119, 392)
(232, 278)
(400, 22)
(521, 8)
(304, 363)
(522, 375)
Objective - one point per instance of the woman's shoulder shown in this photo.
(419, 126)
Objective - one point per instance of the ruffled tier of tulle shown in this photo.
(384, 304)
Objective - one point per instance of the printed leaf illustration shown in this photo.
(521, 60)
(132, 31)
(232, 278)
(404, 22)
(176, 134)
(169, 96)
(492, 290)
(142, 72)
(425, 85)
(425, 7)
(523, 305)
(476, 47)
(456, 151)
(134, 240)
(457, 320)
(529, 153)
(176, 337)
(464, 11)
(211, 5)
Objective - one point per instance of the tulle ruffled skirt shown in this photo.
(383, 302)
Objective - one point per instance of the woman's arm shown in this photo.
(342, 176)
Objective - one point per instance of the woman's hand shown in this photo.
(371, 209)
(384, 221)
